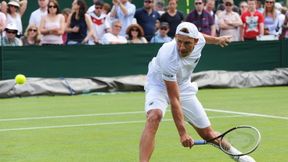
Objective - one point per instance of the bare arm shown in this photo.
(90, 32)
(23, 7)
(174, 96)
(221, 41)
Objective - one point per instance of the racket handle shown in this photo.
(200, 142)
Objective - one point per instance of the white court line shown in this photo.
(136, 112)
(250, 114)
(99, 124)
(70, 116)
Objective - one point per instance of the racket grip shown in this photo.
(200, 142)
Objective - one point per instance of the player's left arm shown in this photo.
(221, 41)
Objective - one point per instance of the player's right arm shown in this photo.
(174, 97)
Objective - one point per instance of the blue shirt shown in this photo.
(147, 22)
(203, 21)
(159, 39)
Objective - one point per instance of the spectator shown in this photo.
(2, 22)
(147, 18)
(4, 7)
(253, 22)
(271, 19)
(135, 34)
(100, 24)
(259, 6)
(65, 12)
(124, 11)
(285, 26)
(161, 36)
(281, 14)
(92, 8)
(230, 22)
(114, 36)
(243, 7)
(79, 26)
(172, 16)
(35, 17)
(14, 13)
(159, 7)
(52, 25)
(10, 38)
(210, 6)
(106, 8)
(202, 19)
(31, 36)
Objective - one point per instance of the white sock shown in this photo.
(234, 151)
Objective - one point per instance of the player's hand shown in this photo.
(224, 40)
(186, 140)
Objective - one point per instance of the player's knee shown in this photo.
(154, 116)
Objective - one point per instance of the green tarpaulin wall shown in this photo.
(123, 60)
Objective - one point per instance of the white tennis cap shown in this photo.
(192, 30)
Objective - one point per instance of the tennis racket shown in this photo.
(237, 141)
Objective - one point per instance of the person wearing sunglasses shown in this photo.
(52, 25)
(271, 19)
(162, 34)
(148, 18)
(10, 38)
(135, 34)
(31, 36)
(230, 21)
(202, 19)
(253, 22)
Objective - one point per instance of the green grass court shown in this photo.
(107, 128)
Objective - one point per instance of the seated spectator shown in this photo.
(36, 16)
(162, 34)
(123, 10)
(14, 13)
(79, 25)
(31, 36)
(52, 25)
(285, 26)
(230, 22)
(135, 34)
(10, 38)
(114, 36)
(100, 23)
(65, 12)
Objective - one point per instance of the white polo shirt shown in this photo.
(170, 66)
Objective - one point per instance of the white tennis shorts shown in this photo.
(193, 110)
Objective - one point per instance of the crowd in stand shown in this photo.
(122, 22)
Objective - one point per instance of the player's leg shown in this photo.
(196, 116)
(155, 107)
(147, 142)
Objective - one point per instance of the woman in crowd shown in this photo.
(52, 26)
(31, 36)
(135, 34)
(14, 13)
(271, 19)
(79, 25)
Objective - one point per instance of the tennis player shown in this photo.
(169, 82)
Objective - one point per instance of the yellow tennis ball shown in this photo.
(20, 79)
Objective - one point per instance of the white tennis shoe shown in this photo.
(245, 158)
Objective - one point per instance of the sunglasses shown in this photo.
(228, 4)
(271, 2)
(52, 6)
(163, 28)
(198, 3)
(34, 30)
(11, 31)
(135, 30)
(148, 1)
(98, 8)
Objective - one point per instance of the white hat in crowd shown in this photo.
(192, 30)
(14, 3)
(11, 26)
